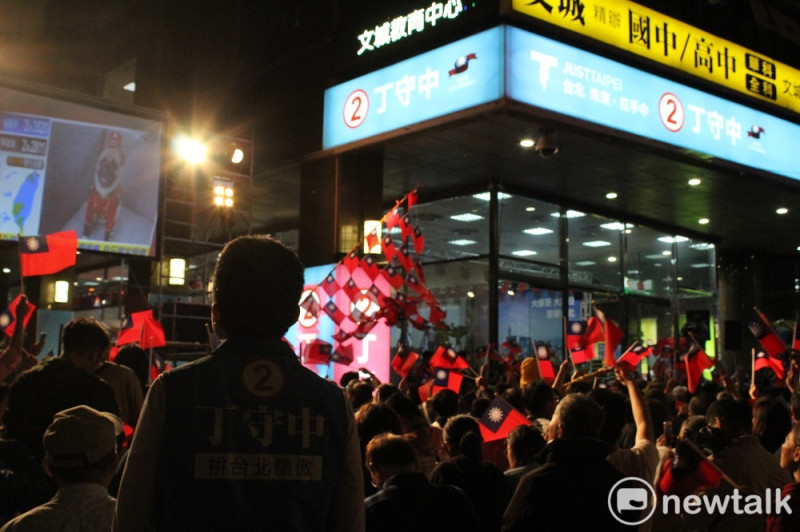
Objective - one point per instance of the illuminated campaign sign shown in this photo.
(457, 76)
(557, 77)
(657, 37)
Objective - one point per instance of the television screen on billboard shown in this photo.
(69, 166)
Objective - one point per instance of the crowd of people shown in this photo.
(248, 439)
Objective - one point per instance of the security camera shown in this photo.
(546, 146)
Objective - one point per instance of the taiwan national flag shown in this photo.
(444, 379)
(499, 419)
(8, 318)
(402, 364)
(316, 352)
(635, 355)
(45, 255)
(696, 361)
(581, 354)
(766, 336)
(764, 360)
(448, 359)
(141, 327)
(575, 332)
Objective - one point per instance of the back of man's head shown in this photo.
(615, 407)
(734, 415)
(579, 416)
(524, 443)
(257, 286)
(85, 335)
(391, 454)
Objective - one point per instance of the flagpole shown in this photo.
(567, 350)
(19, 253)
(753, 367)
(794, 335)
(697, 450)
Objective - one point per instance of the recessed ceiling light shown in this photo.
(597, 244)
(589, 262)
(666, 252)
(527, 143)
(703, 221)
(570, 214)
(462, 242)
(781, 210)
(702, 246)
(466, 217)
(6, 270)
(693, 182)
(538, 231)
(700, 265)
(616, 226)
(523, 252)
(671, 240)
(633, 272)
(130, 87)
(470, 293)
(486, 196)
(530, 209)
(612, 258)
(611, 195)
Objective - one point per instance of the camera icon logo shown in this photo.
(628, 500)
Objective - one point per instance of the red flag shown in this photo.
(765, 335)
(445, 379)
(44, 255)
(405, 227)
(796, 340)
(764, 360)
(316, 352)
(447, 359)
(418, 239)
(390, 274)
(575, 333)
(343, 354)
(412, 199)
(634, 356)
(8, 319)
(152, 334)
(581, 354)
(387, 246)
(330, 285)
(402, 364)
(683, 483)
(333, 311)
(499, 419)
(696, 361)
(613, 337)
(392, 219)
(131, 329)
(351, 261)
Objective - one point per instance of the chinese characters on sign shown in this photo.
(405, 25)
(654, 36)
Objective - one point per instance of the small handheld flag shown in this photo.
(45, 255)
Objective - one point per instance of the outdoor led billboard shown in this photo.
(70, 166)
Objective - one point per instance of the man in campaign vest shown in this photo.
(246, 438)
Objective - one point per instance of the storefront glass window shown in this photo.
(528, 230)
(649, 262)
(594, 251)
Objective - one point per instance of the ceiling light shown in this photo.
(703, 221)
(510, 292)
(470, 294)
(666, 253)
(462, 242)
(466, 217)
(597, 244)
(633, 272)
(523, 253)
(654, 257)
(700, 265)
(538, 231)
(6, 270)
(130, 87)
(672, 240)
(781, 210)
(693, 182)
(585, 263)
(611, 195)
(530, 209)
(702, 246)
(527, 143)
(486, 196)
(612, 259)
(616, 226)
(569, 214)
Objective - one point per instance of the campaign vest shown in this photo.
(252, 441)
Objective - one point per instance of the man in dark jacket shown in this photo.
(571, 490)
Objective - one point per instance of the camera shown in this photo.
(546, 146)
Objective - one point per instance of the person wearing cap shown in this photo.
(245, 438)
(80, 447)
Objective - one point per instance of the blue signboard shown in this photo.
(557, 77)
(560, 78)
(457, 76)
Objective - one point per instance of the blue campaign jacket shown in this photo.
(252, 441)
